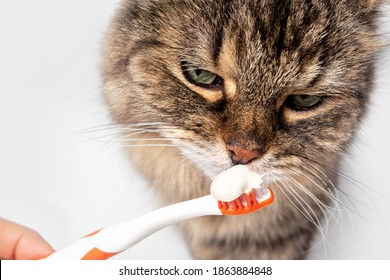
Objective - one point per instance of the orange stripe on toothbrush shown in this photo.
(97, 254)
(93, 233)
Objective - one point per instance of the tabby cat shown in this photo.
(199, 86)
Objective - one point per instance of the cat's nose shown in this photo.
(240, 155)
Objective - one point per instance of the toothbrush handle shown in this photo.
(112, 240)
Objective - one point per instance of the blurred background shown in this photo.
(62, 169)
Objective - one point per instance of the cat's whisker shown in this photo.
(185, 161)
(95, 128)
(118, 138)
(308, 209)
(317, 185)
(120, 126)
(337, 201)
(148, 145)
(362, 187)
(323, 229)
(268, 178)
(106, 131)
(334, 197)
(145, 139)
(128, 135)
(351, 199)
(326, 187)
(329, 213)
(283, 190)
(307, 216)
(322, 206)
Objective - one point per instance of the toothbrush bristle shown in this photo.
(244, 204)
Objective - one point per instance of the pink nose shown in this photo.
(240, 155)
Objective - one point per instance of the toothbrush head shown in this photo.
(247, 203)
(240, 190)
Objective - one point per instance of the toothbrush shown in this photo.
(112, 240)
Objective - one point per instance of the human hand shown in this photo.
(21, 243)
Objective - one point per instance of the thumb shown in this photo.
(21, 243)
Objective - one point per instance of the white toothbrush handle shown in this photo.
(114, 239)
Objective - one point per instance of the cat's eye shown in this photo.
(302, 102)
(201, 77)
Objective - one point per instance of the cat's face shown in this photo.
(279, 85)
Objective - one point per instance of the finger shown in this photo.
(19, 242)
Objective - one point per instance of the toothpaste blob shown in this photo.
(231, 183)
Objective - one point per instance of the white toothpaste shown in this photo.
(231, 183)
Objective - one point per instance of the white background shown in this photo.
(63, 174)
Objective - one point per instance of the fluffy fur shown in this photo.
(266, 52)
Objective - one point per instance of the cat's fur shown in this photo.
(265, 50)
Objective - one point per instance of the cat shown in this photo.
(199, 86)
